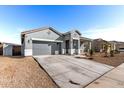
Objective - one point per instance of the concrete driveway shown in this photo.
(68, 71)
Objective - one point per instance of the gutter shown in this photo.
(47, 40)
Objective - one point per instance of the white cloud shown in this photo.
(111, 33)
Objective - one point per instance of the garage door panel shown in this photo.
(41, 48)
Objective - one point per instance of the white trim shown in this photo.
(79, 52)
(63, 51)
(71, 51)
(28, 52)
(78, 38)
(37, 39)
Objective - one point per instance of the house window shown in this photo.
(75, 44)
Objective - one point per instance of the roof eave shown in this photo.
(40, 29)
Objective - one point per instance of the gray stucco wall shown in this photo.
(76, 36)
(72, 35)
(22, 49)
(45, 48)
(49, 34)
(44, 34)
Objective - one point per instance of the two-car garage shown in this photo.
(41, 48)
(46, 47)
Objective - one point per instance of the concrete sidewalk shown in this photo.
(113, 79)
(68, 71)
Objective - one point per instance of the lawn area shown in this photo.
(22, 72)
(113, 61)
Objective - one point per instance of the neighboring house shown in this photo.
(121, 46)
(98, 45)
(9, 49)
(116, 45)
(48, 41)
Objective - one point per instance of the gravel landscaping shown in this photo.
(23, 72)
(113, 61)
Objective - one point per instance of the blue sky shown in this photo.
(92, 21)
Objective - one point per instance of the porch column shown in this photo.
(63, 47)
(90, 47)
(71, 46)
(79, 47)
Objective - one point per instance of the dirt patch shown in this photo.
(113, 61)
(23, 72)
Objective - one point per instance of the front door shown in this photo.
(59, 48)
(75, 46)
(67, 46)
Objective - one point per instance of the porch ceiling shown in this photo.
(83, 39)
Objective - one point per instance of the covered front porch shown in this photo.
(72, 47)
(76, 46)
(71, 44)
(85, 45)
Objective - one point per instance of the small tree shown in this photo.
(105, 50)
(91, 52)
(116, 51)
(112, 53)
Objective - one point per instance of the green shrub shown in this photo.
(91, 52)
(116, 51)
(112, 53)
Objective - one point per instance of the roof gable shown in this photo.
(72, 31)
(40, 29)
(78, 32)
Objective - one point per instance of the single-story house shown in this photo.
(9, 49)
(98, 44)
(48, 41)
(114, 45)
(121, 46)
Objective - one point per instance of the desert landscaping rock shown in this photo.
(23, 72)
